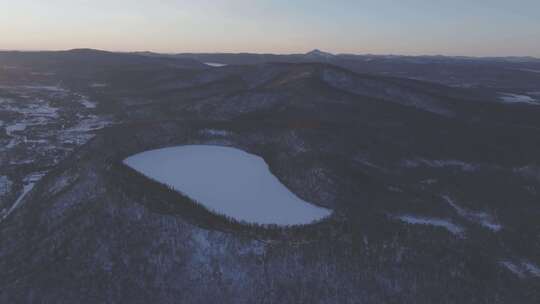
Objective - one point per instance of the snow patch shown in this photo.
(35, 88)
(530, 70)
(83, 131)
(17, 127)
(419, 162)
(529, 171)
(44, 88)
(87, 103)
(532, 268)
(215, 64)
(437, 222)
(98, 85)
(91, 123)
(38, 109)
(42, 73)
(62, 183)
(481, 218)
(429, 181)
(516, 98)
(227, 181)
(514, 268)
(215, 132)
(522, 269)
(29, 183)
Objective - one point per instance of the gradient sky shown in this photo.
(457, 27)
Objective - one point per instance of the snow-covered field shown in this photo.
(227, 181)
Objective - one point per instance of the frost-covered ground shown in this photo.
(229, 182)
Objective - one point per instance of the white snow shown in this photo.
(98, 85)
(514, 268)
(439, 163)
(481, 218)
(15, 128)
(37, 113)
(49, 88)
(45, 88)
(29, 183)
(84, 130)
(530, 70)
(513, 98)
(227, 181)
(215, 64)
(533, 269)
(42, 73)
(87, 103)
(39, 108)
(448, 225)
(215, 132)
(90, 123)
(522, 268)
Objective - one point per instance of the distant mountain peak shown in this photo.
(319, 53)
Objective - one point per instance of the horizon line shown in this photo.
(269, 53)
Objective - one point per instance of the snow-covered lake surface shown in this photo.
(227, 181)
(215, 64)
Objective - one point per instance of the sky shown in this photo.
(409, 27)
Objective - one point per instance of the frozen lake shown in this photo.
(215, 64)
(227, 181)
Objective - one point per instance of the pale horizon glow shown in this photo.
(411, 27)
